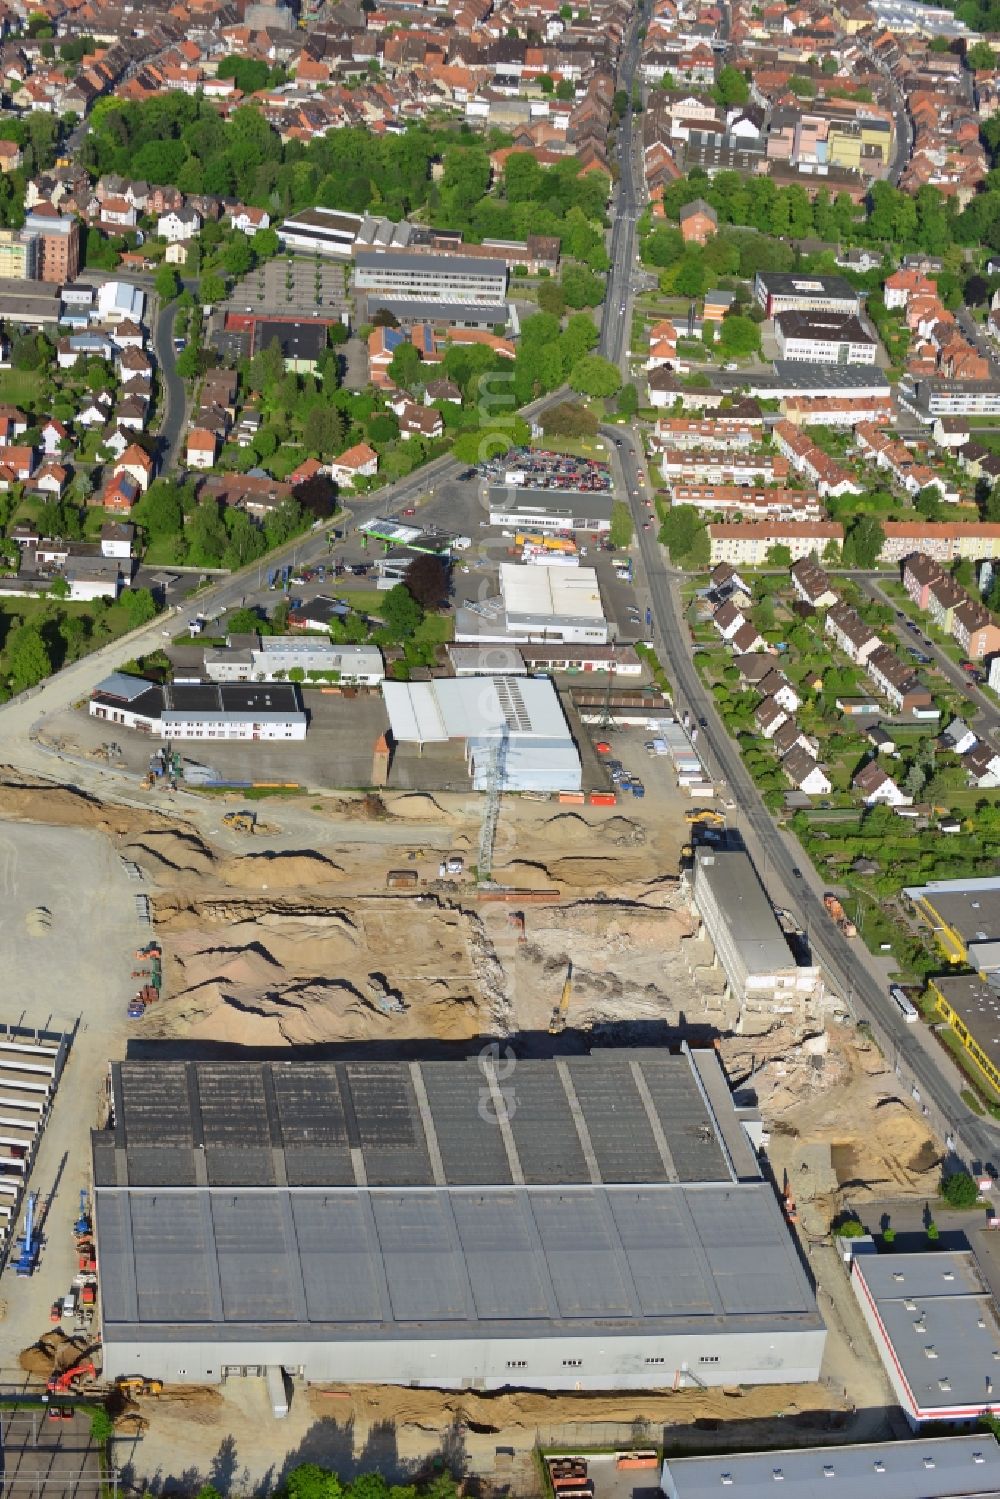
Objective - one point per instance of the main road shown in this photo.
(616, 316)
(786, 874)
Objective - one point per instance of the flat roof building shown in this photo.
(200, 710)
(761, 972)
(417, 276)
(549, 509)
(551, 603)
(591, 1222)
(963, 914)
(782, 291)
(517, 719)
(824, 338)
(272, 657)
(328, 231)
(918, 1469)
(935, 1326)
(970, 1004)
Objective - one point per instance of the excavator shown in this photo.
(704, 815)
(58, 1384)
(558, 1022)
(240, 822)
(134, 1384)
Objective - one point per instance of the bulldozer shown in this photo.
(240, 822)
(704, 815)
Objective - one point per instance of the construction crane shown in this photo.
(491, 807)
(558, 1022)
(82, 1224)
(27, 1259)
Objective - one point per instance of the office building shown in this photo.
(200, 710)
(762, 975)
(781, 291)
(970, 1004)
(414, 276)
(588, 1223)
(272, 658)
(824, 338)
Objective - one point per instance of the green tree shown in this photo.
(243, 622)
(691, 279)
(58, 588)
(401, 612)
(206, 535)
(313, 1482)
(685, 536)
(427, 581)
(566, 89)
(959, 1190)
(981, 57)
(246, 541)
(552, 298)
(102, 1428)
(545, 83)
(406, 367)
(238, 257)
(167, 283)
(622, 526)
(139, 605)
(863, 542)
(211, 288)
(628, 400)
(779, 556)
(731, 87)
(593, 375)
(160, 512)
(26, 657)
(739, 336)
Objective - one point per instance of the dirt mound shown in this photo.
(263, 972)
(170, 852)
(417, 806)
(54, 1350)
(570, 827)
(279, 871)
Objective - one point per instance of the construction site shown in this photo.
(382, 927)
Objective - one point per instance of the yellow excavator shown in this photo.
(706, 816)
(558, 1022)
(240, 822)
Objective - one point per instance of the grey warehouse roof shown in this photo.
(375, 1200)
(925, 1468)
(429, 264)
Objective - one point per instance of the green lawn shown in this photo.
(17, 386)
(578, 447)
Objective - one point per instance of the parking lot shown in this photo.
(45, 1459)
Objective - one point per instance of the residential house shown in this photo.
(769, 715)
(789, 736)
(120, 494)
(698, 221)
(855, 638)
(361, 461)
(117, 539)
(137, 464)
(877, 787)
(898, 682)
(202, 448)
(812, 583)
(180, 224)
(249, 220)
(804, 773)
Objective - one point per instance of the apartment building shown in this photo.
(18, 255)
(749, 543)
(58, 240)
(757, 504)
(898, 683)
(723, 468)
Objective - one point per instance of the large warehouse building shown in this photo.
(593, 1222)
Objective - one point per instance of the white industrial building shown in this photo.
(549, 509)
(329, 231)
(513, 724)
(200, 710)
(920, 1469)
(739, 921)
(934, 1323)
(542, 605)
(583, 1223)
(271, 658)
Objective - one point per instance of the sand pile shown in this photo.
(170, 852)
(279, 871)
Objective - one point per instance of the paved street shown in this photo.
(172, 392)
(861, 979)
